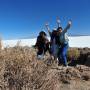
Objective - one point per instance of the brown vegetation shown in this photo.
(20, 70)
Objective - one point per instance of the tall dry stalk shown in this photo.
(1, 43)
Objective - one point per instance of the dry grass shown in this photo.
(15, 65)
(1, 43)
(20, 70)
(73, 53)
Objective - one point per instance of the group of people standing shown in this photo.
(58, 44)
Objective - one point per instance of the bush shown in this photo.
(73, 53)
(16, 66)
(0, 43)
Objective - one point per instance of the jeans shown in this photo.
(54, 50)
(63, 54)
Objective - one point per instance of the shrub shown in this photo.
(73, 53)
(0, 43)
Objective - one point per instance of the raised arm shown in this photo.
(58, 22)
(67, 27)
(48, 29)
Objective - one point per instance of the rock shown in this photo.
(82, 68)
(83, 56)
(88, 61)
(86, 48)
(88, 53)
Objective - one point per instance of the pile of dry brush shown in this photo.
(20, 70)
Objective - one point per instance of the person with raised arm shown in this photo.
(63, 44)
(53, 42)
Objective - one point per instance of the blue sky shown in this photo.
(26, 18)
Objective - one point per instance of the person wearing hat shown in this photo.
(63, 44)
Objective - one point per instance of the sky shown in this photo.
(26, 18)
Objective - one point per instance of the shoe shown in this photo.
(40, 57)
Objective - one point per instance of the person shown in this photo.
(42, 45)
(63, 44)
(53, 42)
